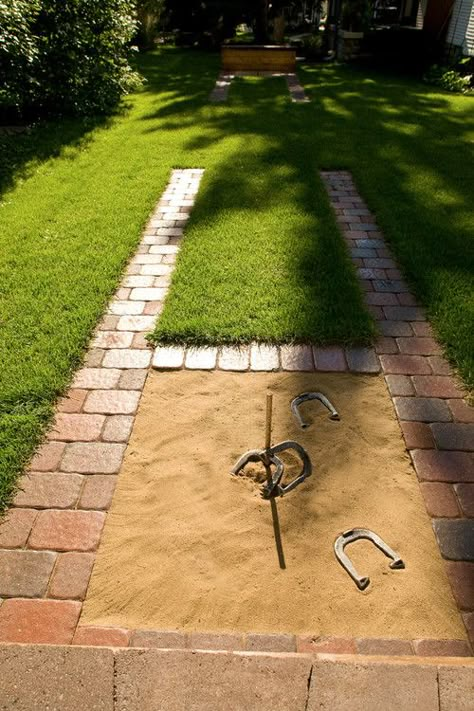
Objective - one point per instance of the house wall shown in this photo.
(461, 27)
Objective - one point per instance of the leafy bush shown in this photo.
(66, 56)
(19, 54)
(450, 78)
(312, 46)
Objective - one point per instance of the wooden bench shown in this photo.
(258, 58)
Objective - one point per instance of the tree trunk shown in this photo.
(261, 22)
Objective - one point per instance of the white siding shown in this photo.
(461, 26)
(420, 15)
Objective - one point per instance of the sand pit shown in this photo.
(188, 546)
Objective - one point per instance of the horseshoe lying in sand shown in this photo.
(355, 534)
(312, 396)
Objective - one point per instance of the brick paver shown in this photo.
(168, 357)
(201, 358)
(112, 402)
(97, 492)
(465, 495)
(71, 576)
(234, 358)
(38, 621)
(443, 466)
(16, 526)
(297, 358)
(25, 573)
(454, 435)
(67, 530)
(440, 500)
(44, 490)
(93, 457)
(101, 636)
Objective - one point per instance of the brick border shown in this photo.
(50, 535)
(220, 93)
(49, 539)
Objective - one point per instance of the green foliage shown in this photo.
(449, 78)
(66, 56)
(19, 52)
(312, 46)
(356, 15)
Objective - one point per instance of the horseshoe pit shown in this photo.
(190, 546)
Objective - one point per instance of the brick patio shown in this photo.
(49, 538)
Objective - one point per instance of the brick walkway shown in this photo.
(49, 539)
(220, 93)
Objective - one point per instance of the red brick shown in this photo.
(44, 490)
(462, 412)
(440, 500)
(38, 621)
(405, 364)
(461, 577)
(439, 365)
(418, 346)
(442, 648)
(330, 359)
(98, 492)
(102, 637)
(386, 345)
(16, 527)
(67, 530)
(48, 457)
(25, 573)
(93, 457)
(465, 494)
(111, 402)
(385, 647)
(73, 401)
(71, 576)
(436, 386)
(117, 428)
(362, 360)
(326, 645)
(417, 435)
(451, 467)
(77, 428)
(454, 436)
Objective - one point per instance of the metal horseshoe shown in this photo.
(296, 402)
(355, 534)
(262, 455)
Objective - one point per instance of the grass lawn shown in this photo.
(261, 258)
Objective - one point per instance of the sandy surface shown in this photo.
(188, 546)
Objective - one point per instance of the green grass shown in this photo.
(261, 258)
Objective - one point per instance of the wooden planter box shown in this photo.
(258, 58)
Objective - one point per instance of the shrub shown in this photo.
(19, 53)
(66, 56)
(450, 78)
(312, 47)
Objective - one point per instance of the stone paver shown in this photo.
(158, 639)
(96, 378)
(362, 360)
(44, 490)
(385, 647)
(349, 686)
(112, 402)
(297, 358)
(417, 435)
(16, 526)
(237, 359)
(441, 386)
(71, 576)
(271, 642)
(75, 427)
(420, 409)
(440, 500)
(98, 492)
(47, 457)
(264, 357)
(456, 688)
(330, 359)
(235, 682)
(117, 428)
(201, 358)
(127, 358)
(465, 495)
(455, 538)
(203, 640)
(326, 645)
(443, 466)
(442, 648)
(461, 577)
(93, 457)
(168, 357)
(454, 435)
(67, 530)
(44, 678)
(25, 573)
(38, 621)
(101, 637)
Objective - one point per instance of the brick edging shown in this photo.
(220, 92)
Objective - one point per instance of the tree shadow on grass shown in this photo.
(407, 146)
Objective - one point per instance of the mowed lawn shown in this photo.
(262, 258)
